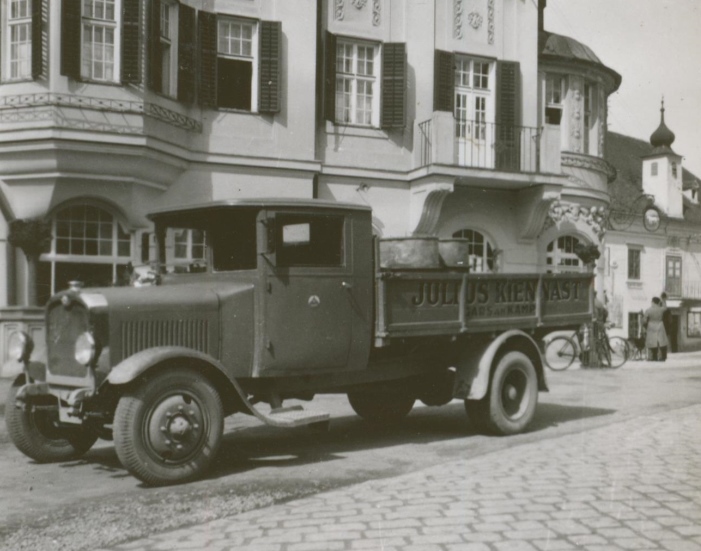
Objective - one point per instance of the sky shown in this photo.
(655, 45)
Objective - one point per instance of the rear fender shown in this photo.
(475, 361)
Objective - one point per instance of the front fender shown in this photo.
(475, 363)
(134, 366)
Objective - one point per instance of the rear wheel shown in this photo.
(169, 428)
(511, 399)
(619, 351)
(36, 433)
(381, 407)
(560, 353)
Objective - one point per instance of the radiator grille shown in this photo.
(140, 335)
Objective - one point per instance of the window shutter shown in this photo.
(37, 50)
(207, 29)
(330, 77)
(187, 39)
(270, 65)
(70, 39)
(130, 42)
(508, 100)
(393, 114)
(444, 81)
(154, 47)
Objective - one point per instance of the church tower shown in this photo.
(662, 171)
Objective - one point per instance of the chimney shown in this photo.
(541, 14)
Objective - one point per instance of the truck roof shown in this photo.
(264, 202)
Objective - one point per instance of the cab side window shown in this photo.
(309, 240)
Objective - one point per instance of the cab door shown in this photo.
(307, 312)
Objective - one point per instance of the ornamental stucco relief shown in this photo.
(490, 23)
(475, 20)
(458, 9)
(563, 211)
(339, 9)
(376, 12)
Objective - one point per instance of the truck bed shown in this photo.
(423, 303)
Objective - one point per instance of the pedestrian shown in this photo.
(656, 337)
(666, 321)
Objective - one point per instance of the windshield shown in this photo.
(224, 239)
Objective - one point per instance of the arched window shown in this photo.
(561, 256)
(88, 245)
(480, 250)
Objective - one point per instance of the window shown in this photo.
(561, 256)
(634, 264)
(303, 240)
(357, 99)
(473, 98)
(554, 95)
(100, 40)
(693, 324)
(635, 325)
(481, 257)
(653, 169)
(673, 279)
(169, 48)
(17, 34)
(674, 170)
(88, 245)
(237, 69)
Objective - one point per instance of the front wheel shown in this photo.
(511, 399)
(36, 433)
(560, 353)
(169, 428)
(382, 407)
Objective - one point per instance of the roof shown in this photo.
(262, 202)
(557, 47)
(625, 154)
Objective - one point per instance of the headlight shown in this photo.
(85, 349)
(21, 346)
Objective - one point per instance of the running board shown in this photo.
(290, 417)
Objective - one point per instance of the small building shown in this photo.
(653, 245)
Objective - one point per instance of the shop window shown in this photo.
(561, 256)
(635, 325)
(693, 324)
(481, 253)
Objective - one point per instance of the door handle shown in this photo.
(346, 285)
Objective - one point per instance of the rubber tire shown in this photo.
(490, 414)
(36, 437)
(555, 348)
(133, 414)
(618, 344)
(381, 407)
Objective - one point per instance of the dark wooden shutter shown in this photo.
(393, 113)
(131, 73)
(70, 39)
(187, 44)
(444, 81)
(37, 49)
(207, 30)
(270, 67)
(155, 59)
(330, 77)
(508, 131)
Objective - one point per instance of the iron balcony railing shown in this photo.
(487, 145)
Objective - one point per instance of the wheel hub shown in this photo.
(175, 428)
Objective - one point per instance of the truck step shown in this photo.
(293, 416)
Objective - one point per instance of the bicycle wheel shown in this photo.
(560, 353)
(618, 352)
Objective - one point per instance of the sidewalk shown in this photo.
(633, 485)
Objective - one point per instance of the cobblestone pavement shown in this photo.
(634, 485)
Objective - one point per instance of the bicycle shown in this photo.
(561, 352)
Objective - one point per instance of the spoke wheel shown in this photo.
(560, 353)
(618, 352)
(381, 407)
(169, 428)
(35, 432)
(511, 398)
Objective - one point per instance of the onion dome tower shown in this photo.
(663, 137)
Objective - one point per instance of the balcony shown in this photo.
(675, 288)
(483, 145)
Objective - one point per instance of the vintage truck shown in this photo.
(293, 300)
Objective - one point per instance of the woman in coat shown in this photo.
(656, 334)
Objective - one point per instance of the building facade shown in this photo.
(654, 242)
(460, 118)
